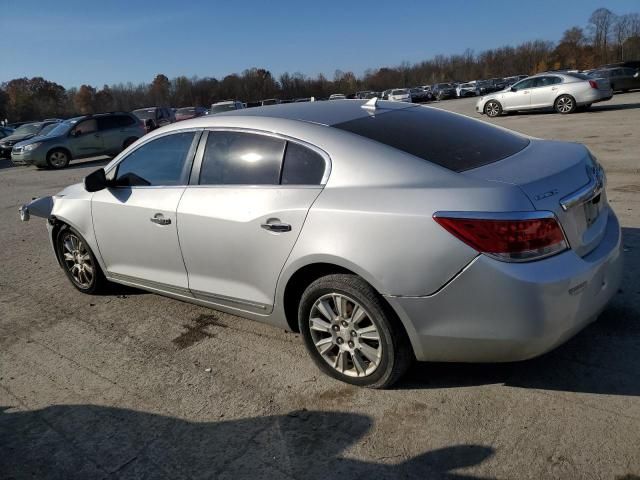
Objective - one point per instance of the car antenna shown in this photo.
(371, 104)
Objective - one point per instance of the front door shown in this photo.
(135, 220)
(519, 97)
(238, 225)
(545, 91)
(85, 140)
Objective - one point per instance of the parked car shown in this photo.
(466, 90)
(420, 95)
(23, 132)
(483, 87)
(337, 96)
(385, 94)
(621, 78)
(227, 105)
(80, 137)
(443, 91)
(6, 131)
(16, 125)
(269, 101)
(404, 243)
(511, 80)
(185, 113)
(497, 84)
(561, 92)
(400, 95)
(155, 117)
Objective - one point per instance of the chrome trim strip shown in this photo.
(585, 194)
(223, 298)
(526, 215)
(149, 283)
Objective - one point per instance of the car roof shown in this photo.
(324, 113)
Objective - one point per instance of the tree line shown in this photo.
(606, 38)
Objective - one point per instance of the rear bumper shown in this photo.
(498, 312)
(595, 96)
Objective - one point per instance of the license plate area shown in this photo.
(592, 210)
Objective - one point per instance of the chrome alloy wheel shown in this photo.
(77, 260)
(345, 335)
(565, 104)
(58, 159)
(492, 109)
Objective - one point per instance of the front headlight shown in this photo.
(31, 146)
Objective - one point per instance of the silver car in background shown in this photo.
(563, 92)
(371, 228)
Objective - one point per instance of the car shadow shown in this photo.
(595, 108)
(604, 358)
(87, 441)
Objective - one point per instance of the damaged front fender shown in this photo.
(39, 207)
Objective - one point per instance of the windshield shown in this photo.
(222, 107)
(399, 92)
(56, 129)
(145, 114)
(443, 85)
(466, 85)
(28, 129)
(186, 111)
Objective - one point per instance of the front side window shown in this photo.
(302, 166)
(528, 83)
(163, 161)
(88, 126)
(238, 158)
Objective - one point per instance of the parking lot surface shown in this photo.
(134, 385)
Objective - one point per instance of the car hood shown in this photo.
(37, 138)
(17, 138)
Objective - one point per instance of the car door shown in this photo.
(519, 97)
(109, 128)
(135, 219)
(240, 220)
(85, 140)
(544, 91)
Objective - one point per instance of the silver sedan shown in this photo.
(368, 227)
(562, 92)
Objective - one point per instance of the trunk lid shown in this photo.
(562, 178)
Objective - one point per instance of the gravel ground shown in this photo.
(119, 386)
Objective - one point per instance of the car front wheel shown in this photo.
(492, 109)
(57, 159)
(351, 334)
(79, 262)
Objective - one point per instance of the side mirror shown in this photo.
(513, 89)
(96, 181)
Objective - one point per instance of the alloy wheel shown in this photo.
(565, 104)
(492, 109)
(58, 159)
(345, 335)
(77, 260)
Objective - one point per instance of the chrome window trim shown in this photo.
(286, 138)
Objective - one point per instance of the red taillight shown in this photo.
(593, 84)
(507, 239)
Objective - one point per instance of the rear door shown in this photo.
(241, 216)
(109, 128)
(545, 91)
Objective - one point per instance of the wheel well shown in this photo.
(299, 282)
(57, 226)
(65, 150)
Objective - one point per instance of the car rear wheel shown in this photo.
(351, 334)
(78, 262)
(57, 159)
(492, 108)
(565, 104)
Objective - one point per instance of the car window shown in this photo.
(302, 166)
(528, 83)
(546, 81)
(238, 158)
(107, 122)
(434, 135)
(163, 161)
(124, 120)
(629, 71)
(88, 126)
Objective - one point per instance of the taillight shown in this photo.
(507, 239)
(593, 84)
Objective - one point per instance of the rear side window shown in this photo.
(238, 158)
(452, 141)
(302, 166)
(124, 120)
(108, 122)
(163, 161)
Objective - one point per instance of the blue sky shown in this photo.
(110, 41)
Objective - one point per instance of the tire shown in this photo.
(565, 104)
(78, 262)
(58, 158)
(492, 109)
(369, 349)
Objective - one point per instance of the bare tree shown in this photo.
(600, 23)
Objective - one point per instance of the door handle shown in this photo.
(274, 225)
(160, 220)
(554, 88)
(525, 91)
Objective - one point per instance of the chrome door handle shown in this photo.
(276, 226)
(554, 88)
(160, 220)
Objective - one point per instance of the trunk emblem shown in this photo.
(550, 193)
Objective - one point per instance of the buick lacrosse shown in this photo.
(375, 229)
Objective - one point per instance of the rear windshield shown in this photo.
(452, 141)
